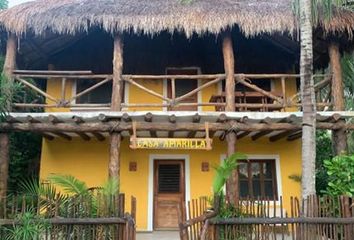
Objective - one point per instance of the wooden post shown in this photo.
(232, 189)
(9, 66)
(115, 137)
(339, 137)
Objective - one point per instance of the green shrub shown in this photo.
(340, 171)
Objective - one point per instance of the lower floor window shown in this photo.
(257, 179)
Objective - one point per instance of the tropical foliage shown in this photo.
(224, 170)
(30, 226)
(340, 171)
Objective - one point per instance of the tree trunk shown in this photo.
(339, 137)
(117, 92)
(232, 189)
(308, 101)
(9, 66)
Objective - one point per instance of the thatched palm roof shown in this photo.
(153, 16)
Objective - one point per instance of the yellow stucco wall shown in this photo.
(88, 161)
(54, 89)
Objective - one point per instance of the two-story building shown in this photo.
(157, 93)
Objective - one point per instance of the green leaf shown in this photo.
(69, 184)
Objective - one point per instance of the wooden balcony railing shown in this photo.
(254, 98)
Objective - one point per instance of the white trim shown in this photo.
(73, 90)
(277, 168)
(164, 92)
(153, 157)
(200, 97)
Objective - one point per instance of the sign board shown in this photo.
(171, 143)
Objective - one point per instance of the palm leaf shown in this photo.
(224, 170)
(69, 184)
(111, 187)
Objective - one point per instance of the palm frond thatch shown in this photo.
(153, 16)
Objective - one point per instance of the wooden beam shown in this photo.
(148, 118)
(11, 119)
(196, 119)
(281, 135)
(62, 135)
(339, 137)
(78, 120)
(54, 120)
(294, 136)
(117, 73)
(126, 117)
(47, 136)
(36, 89)
(32, 119)
(51, 72)
(114, 126)
(114, 160)
(9, 66)
(337, 79)
(90, 89)
(232, 190)
(99, 136)
(4, 163)
(172, 119)
(117, 85)
(262, 133)
(243, 134)
(222, 118)
(84, 136)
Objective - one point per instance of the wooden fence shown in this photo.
(323, 218)
(84, 217)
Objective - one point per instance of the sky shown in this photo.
(15, 2)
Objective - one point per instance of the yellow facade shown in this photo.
(88, 161)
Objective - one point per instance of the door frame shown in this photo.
(152, 158)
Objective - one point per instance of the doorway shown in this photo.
(169, 192)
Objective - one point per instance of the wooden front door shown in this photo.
(169, 192)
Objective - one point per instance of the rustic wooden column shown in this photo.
(9, 66)
(232, 186)
(339, 137)
(115, 137)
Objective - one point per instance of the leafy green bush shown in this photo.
(340, 171)
(29, 226)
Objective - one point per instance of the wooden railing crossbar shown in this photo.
(26, 83)
(280, 102)
(90, 89)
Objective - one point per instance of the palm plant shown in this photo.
(30, 226)
(223, 172)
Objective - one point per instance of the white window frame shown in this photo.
(277, 169)
(165, 90)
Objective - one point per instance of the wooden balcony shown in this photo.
(250, 95)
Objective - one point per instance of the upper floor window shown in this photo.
(182, 87)
(101, 94)
(257, 179)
